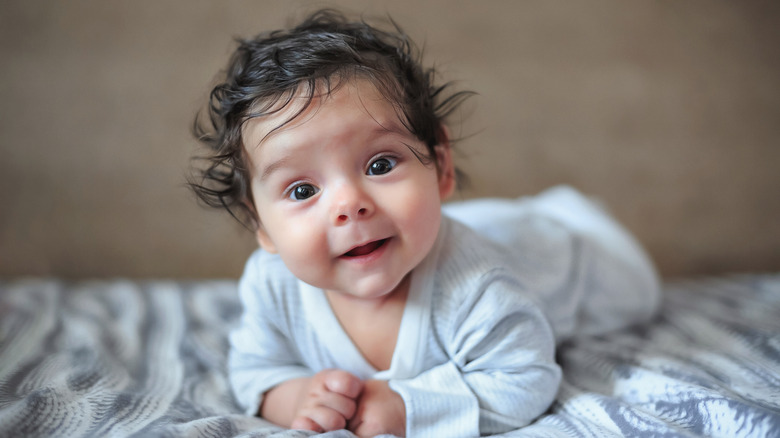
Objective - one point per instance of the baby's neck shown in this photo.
(372, 325)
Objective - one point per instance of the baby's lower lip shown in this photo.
(366, 249)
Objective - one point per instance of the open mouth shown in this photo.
(365, 249)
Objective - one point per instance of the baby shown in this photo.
(367, 308)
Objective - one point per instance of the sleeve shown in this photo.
(501, 372)
(260, 355)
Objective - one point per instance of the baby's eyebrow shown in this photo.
(273, 167)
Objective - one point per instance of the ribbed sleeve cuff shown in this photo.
(439, 403)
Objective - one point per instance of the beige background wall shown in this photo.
(667, 110)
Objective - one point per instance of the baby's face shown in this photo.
(341, 195)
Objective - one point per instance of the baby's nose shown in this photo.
(352, 204)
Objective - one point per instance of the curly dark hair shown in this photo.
(324, 51)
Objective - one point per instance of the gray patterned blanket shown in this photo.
(147, 359)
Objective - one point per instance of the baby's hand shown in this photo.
(380, 410)
(328, 401)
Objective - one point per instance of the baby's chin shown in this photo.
(386, 291)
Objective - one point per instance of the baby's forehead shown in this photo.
(341, 105)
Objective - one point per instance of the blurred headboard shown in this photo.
(669, 112)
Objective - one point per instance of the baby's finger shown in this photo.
(344, 383)
(319, 419)
(305, 423)
(342, 404)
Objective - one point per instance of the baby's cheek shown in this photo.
(308, 258)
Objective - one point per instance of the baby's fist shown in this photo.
(328, 402)
(380, 410)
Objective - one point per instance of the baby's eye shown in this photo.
(302, 192)
(381, 166)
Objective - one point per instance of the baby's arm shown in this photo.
(321, 403)
(501, 373)
(265, 367)
(261, 358)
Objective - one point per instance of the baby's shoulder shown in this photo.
(462, 242)
(532, 253)
(466, 257)
(474, 275)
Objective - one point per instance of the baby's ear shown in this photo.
(444, 163)
(265, 240)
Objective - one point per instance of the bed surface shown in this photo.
(147, 359)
